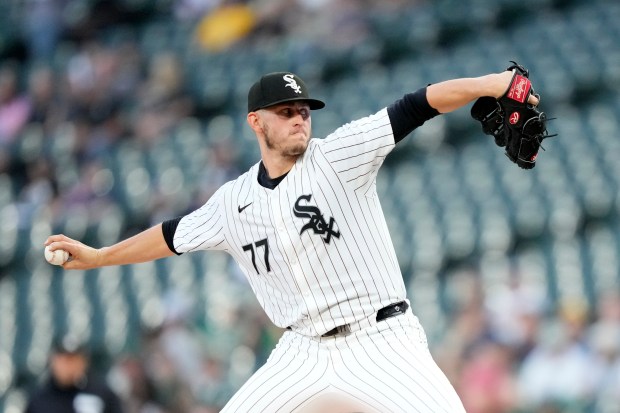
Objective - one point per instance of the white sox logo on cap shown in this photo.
(280, 87)
(290, 80)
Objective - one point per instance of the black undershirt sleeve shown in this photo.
(409, 112)
(168, 228)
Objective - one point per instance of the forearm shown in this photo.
(452, 94)
(146, 246)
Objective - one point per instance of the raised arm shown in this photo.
(148, 245)
(452, 94)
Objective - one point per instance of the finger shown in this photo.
(72, 264)
(71, 247)
(81, 257)
(533, 100)
(61, 242)
(56, 238)
(53, 246)
(80, 262)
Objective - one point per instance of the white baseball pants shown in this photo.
(384, 368)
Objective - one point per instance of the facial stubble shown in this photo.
(292, 151)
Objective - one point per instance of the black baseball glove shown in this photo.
(515, 124)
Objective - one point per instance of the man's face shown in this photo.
(286, 128)
(68, 368)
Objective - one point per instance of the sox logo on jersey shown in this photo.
(317, 223)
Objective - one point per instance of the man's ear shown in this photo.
(254, 121)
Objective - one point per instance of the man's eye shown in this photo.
(290, 112)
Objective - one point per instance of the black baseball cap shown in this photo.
(69, 344)
(279, 87)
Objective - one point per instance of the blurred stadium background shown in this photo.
(116, 115)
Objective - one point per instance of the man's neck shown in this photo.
(275, 168)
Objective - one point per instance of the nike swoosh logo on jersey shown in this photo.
(240, 208)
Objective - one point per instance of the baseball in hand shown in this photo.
(57, 257)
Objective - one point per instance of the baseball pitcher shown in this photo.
(306, 227)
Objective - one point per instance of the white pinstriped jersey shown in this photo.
(316, 249)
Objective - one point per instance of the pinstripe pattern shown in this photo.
(310, 284)
(317, 254)
(386, 367)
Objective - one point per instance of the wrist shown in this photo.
(500, 83)
(100, 256)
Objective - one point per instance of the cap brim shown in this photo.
(313, 103)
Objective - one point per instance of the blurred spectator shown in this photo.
(224, 26)
(43, 26)
(221, 167)
(608, 398)
(99, 79)
(487, 384)
(604, 339)
(213, 388)
(162, 101)
(86, 192)
(14, 107)
(328, 23)
(45, 106)
(39, 189)
(192, 10)
(70, 388)
(514, 311)
(469, 324)
(337, 24)
(131, 382)
(172, 395)
(560, 371)
(178, 340)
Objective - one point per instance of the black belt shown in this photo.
(386, 312)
